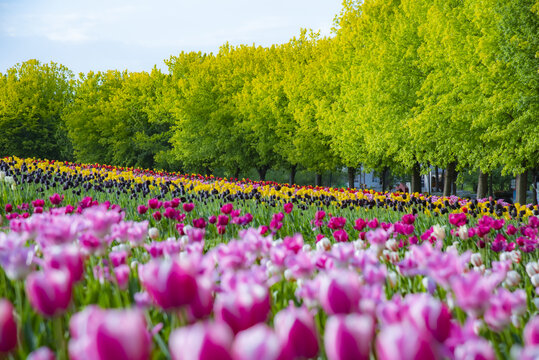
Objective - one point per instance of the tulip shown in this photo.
(141, 209)
(154, 203)
(288, 207)
(56, 199)
(531, 332)
(475, 349)
(348, 337)
(296, 331)
(188, 207)
(49, 291)
(170, 284)
(227, 208)
(340, 235)
(43, 353)
(202, 305)
(429, 316)
(157, 216)
(201, 341)
(258, 342)
(399, 342)
(66, 257)
(8, 327)
(247, 305)
(340, 292)
(109, 335)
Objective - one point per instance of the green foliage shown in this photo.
(32, 99)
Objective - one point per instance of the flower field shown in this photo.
(102, 262)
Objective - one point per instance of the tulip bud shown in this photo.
(512, 278)
(8, 327)
(463, 232)
(296, 331)
(535, 280)
(392, 245)
(438, 232)
(348, 337)
(323, 244)
(153, 233)
(532, 268)
(201, 341)
(392, 278)
(49, 292)
(476, 259)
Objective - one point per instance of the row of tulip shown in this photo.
(195, 273)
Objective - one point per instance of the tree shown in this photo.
(32, 99)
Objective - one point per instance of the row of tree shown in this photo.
(401, 85)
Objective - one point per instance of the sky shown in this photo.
(138, 34)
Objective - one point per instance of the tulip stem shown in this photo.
(59, 336)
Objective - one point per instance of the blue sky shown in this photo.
(136, 34)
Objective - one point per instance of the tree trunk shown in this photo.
(448, 180)
(522, 187)
(262, 172)
(437, 179)
(482, 185)
(384, 179)
(416, 178)
(351, 177)
(454, 185)
(292, 179)
(534, 187)
(237, 173)
(318, 180)
(490, 185)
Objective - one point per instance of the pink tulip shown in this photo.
(340, 235)
(49, 291)
(348, 337)
(258, 342)
(400, 342)
(8, 327)
(531, 332)
(202, 305)
(201, 341)
(121, 273)
(109, 335)
(475, 349)
(340, 292)
(188, 207)
(248, 305)
(429, 316)
(296, 331)
(66, 257)
(170, 284)
(43, 353)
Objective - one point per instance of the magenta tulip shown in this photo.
(348, 337)
(340, 292)
(66, 257)
(49, 291)
(170, 284)
(8, 327)
(201, 341)
(296, 331)
(258, 342)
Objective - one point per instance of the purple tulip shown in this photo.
(296, 331)
(170, 284)
(49, 291)
(43, 353)
(201, 341)
(348, 337)
(8, 327)
(258, 342)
